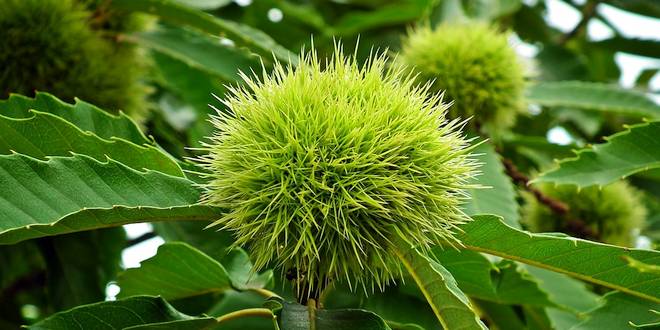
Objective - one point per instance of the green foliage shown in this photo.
(163, 275)
(60, 138)
(321, 168)
(450, 305)
(120, 314)
(612, 214)
(343, 168)
(48, 193)
(503, 282)
(600, 264)
(51, 46)
(635, 312)
(298, 317)
(473, 65)
(593, 96)
(498, 196)
(80, 265)
(85, 116)
(623, 154)
(175, 13)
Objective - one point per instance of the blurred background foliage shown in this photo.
(192, 49)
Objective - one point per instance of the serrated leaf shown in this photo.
(68, 194)
(624, 153)
(593, 262)
(620, 311)
(449, 303)
(83, 115)
(593, 96)
(503, 283)
(242, 35)
(120, 314)
(178, 271)
(498, 196)
(94, 218)
(297, 317)
(57, 137)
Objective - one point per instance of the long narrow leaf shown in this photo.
(450, 305)
(593, 262)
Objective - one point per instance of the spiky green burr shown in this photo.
(321, 166)
(612, 212)
(474, 66)
(69, 49)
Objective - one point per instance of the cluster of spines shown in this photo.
(319, 166)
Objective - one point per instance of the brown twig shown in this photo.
(574, 226)
(144, 237)
(588, 12)
(522, 180)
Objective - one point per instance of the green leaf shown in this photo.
(538, 143)
(297, 317)
(565, 291)
(195, 88)
(498, 196)
(211, 242)
(491, 10)
(624, 153)
(64, 195)
(500, 316)
(592, 96)
(192, 324)
(58, 137)
(556, 63)
(203, 52)
(589, 261)
(83, 115)
(205, 4)
(80, 265)
(642, 7)
(232, 301)
(241, 272)
(642, 47)
(401, 305)
(178, 271)
(449, 303)
(503, 283)
(393, 305)
(620, 311)
(94, 218)
(120, 314)
(572, 296)
(19, 261)
(396, 13)
(242, 35)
